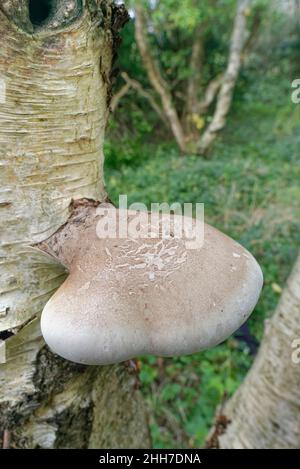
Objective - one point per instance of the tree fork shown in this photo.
(56, 64)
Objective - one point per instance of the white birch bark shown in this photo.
(53, 116)
(264, 412)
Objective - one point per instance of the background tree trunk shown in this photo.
(186, 128)
(237, 44)
(55, 67)
(264, 413)
(156, 79)
(194, 81)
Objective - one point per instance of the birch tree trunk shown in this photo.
(264, 413)
(56, 58)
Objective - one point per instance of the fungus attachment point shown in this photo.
(127, 297)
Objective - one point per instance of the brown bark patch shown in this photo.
(220, 427)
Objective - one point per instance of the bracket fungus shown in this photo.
(128, 296)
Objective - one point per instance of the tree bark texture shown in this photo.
(55, 68)
(264, 412)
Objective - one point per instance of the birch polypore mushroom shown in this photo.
(126, 296)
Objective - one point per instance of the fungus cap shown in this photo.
(128, 297)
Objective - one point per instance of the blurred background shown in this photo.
(193, 69)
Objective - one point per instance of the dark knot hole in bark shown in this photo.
(40, 11)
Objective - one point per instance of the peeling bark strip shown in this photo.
(55, 60)
(264, 413)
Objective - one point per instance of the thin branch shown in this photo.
(211, 92)
(155, 77)
(237, 44)
(254, 31)
(136, 85)
(118, 97)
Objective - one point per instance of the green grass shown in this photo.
(250, 187)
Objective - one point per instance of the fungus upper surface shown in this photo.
(126, 297)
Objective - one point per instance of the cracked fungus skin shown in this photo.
(124, 298)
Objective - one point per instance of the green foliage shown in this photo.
(171, 33)
(183, 393)
(250, 187)
(173, 28)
